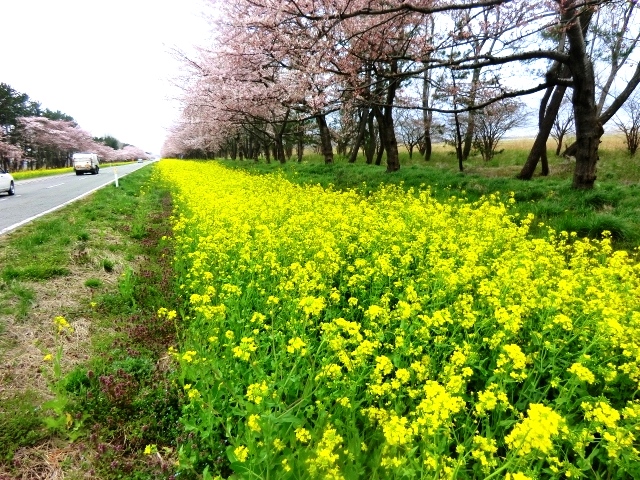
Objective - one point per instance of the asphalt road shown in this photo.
(38, 196)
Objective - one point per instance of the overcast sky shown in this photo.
(107, 63)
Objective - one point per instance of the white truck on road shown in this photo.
(86, 163)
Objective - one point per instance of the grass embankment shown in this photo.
(336, 335)
(83, 387)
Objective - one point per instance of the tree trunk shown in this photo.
(588, 127)
(471, 122)
(267, 152)
(370, 145)
(426, 152)
(380, 150)
(389, 133)
(458, 135)
(544, 164)
(325, 139)
(362, 127)
(381, 139)
(234, 149)
(427, 115)
(391, 143)
(300, 142)
(250, 148)
(279, 148)
(559, 147)
(548, 114)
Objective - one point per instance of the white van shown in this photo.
(86, 163)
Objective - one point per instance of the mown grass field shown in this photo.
(312, 321)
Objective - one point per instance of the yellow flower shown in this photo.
(483, 451)
(150, 449)
(245, 349)
(241, 453)
(297, 345)
(582, 372)
(302, 435)
(48, 357)
(325, 458)
(397, 430)
(256, 392)
(512, 359)
(253, 423)
(487, 401)
(537, 431)
(62, 324)
(417, 282)
(278, 444)
(312, 306)
(403, 375)
(517, 476)
(188, 355)
(602, 413)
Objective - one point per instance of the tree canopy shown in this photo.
(277, 63)
(41, 138)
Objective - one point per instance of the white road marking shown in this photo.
(53, 186)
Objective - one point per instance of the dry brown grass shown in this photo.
(50, 461)
(23, 368)
(27, 341)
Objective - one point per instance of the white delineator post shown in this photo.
(115, 175)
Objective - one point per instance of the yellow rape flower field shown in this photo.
(328, 335)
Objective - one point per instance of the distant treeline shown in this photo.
(32, 137)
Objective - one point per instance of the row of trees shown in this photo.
(31, 137)
(349, 71)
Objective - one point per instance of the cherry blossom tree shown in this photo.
(276, 63)
(130, 152)
(10, 155)
(53, 141)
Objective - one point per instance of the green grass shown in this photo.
(20, 296)
(21, 424)
(119, 399)
(93, 283)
